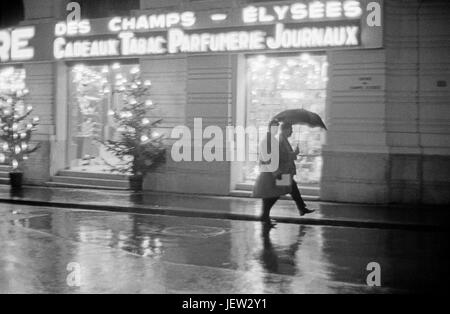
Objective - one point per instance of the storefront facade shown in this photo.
(382, 90)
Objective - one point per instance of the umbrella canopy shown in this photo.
(300, 116)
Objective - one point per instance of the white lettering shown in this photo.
(157, 21)
(84, 48)
(72, 28)
(316, 10)
(75, 15)
(333, 9)
(281, 11)
(58, 48)
(84, 27)
(352, 9)
(60, 29)
(128, 23)
(172, 19)
(213, 149)
(114, 24)
(299, 11)
(188, 19)
(179, 41)
(250, 14)
(175, 40)
(308, 37)
(142, 22)
(263, 16)
(5, 45)
(352, 39)
(374, 17)
(125, 42)
(19, 43)
(148, 22)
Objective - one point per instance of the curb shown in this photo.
(152, 210)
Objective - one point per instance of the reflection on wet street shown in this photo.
(133, 253)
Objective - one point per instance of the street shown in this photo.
(53, 250)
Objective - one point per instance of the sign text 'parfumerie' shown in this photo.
(269, 27)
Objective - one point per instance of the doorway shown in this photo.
(279, 82)
(92, 102)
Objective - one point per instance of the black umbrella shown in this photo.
(300, 116)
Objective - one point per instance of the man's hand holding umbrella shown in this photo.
(265, 184)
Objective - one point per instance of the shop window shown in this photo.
(92, 101)
(12, 79)
(277, 83)
(91, 9)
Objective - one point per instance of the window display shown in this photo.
(277, 83)
(12, 79)
(92, 103)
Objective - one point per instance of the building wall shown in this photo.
(203, 85)
(40, 81)
(418, 112)
(392, 145)
(388, 144)
(44, 10)
(200, 87)
(356, 154)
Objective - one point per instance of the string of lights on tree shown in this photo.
(16, 124)
(139, 146)
(90, 86)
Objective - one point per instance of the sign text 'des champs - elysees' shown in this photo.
(278, 26)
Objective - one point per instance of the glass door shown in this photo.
(90, 122)
(280, 82)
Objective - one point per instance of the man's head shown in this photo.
(286, 129)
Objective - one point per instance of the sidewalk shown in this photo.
(327, 214)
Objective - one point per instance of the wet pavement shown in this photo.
(136, 253)
(335, 214)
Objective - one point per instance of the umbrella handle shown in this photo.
(273, 123)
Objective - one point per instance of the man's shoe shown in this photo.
(305, 211)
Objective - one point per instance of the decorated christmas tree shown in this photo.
(138, 146)
(16, 127)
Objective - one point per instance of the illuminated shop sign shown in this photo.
(153, 21)
(14, 44)
(302, 11)
(278, 26)
(177, 41)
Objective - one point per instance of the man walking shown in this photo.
(270, 186)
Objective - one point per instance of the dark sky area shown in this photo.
(11, 12)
